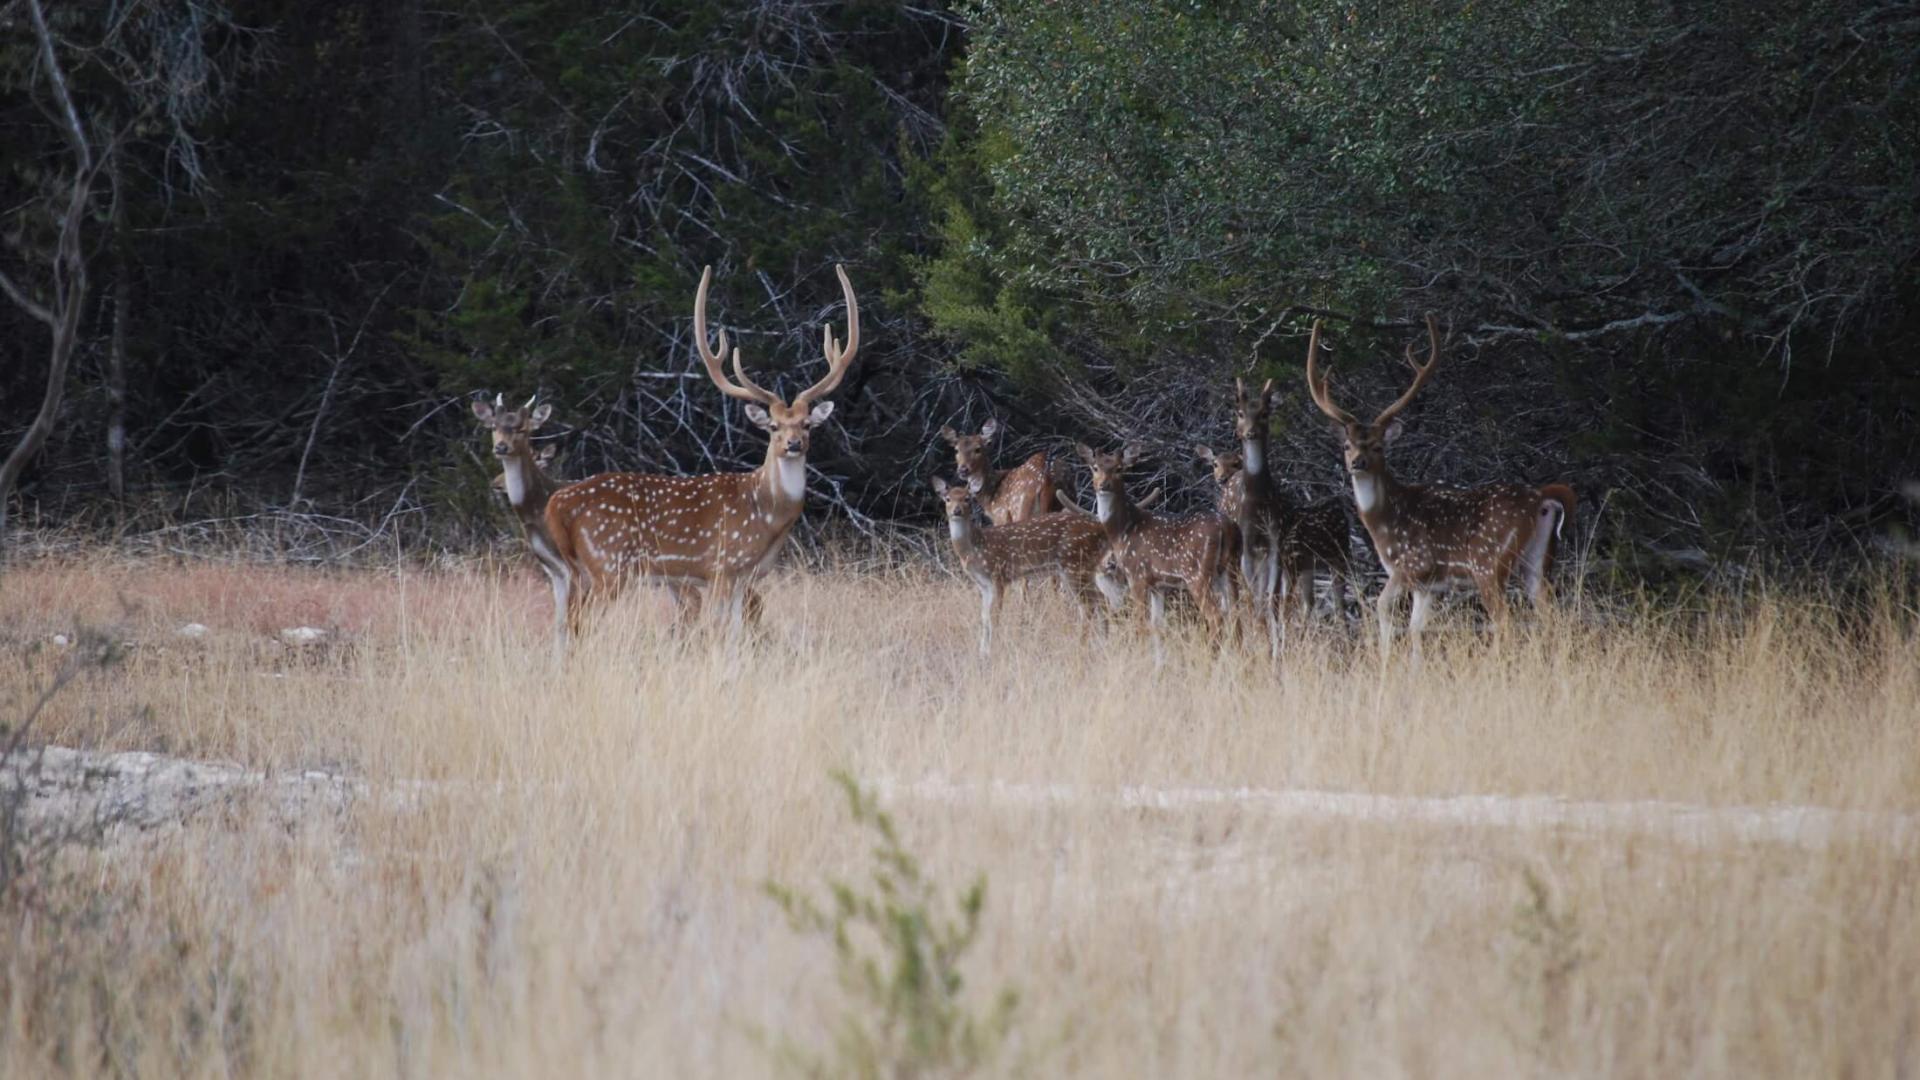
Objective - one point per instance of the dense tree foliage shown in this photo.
(1675, 246)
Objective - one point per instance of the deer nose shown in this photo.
(793, 445)
(500, 450)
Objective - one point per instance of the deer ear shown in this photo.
(819, 414)
(989, 429)
(976, 484)
(1203, 452)
(1085, 452)
(952, 436)
(1394, 428)
(1129, 454)
(940, 486)
(483, 410)
(539, 417)
(759, 417)
(1273, 396)
(545, 455)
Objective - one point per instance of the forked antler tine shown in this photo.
(1317, 381)
(839, 356)
(711, 359)
(740, 376)
(1421, 372)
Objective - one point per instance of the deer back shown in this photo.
(1187, 548)
(1058, 541)
(1429, 534)
(1024, 491)
(683, 527)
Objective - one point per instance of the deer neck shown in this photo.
(966, 541)
(784, 481)
(527, 487)
(1373, 495)
(1115, 510)
(1253, 457)
(990, 483)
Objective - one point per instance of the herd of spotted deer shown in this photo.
(707, 538)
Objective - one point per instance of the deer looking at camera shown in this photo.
(528, 487)
(1430, 536)
(1294, 539)
(1064, 545)
(1006, 495)
(721, 530)
(1156, 553)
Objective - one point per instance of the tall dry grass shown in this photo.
(579, 888)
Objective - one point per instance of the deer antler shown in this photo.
(745, 389)
(1421, 372)
(1317, 382)
(839, 356)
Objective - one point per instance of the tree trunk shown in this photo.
(117, 349)
(68, 280)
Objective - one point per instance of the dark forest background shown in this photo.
(1673, 246)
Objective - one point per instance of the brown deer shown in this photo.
(528, 488)
(1006, 495)
(1315, 535)
(1430, 536)
(721, 530)
(1063, 545)
(1157, 553)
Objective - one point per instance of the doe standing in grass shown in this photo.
(1156, 553)
(1064, 545)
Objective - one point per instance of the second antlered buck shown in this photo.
(719, 531)
(1429, 536)
(1064, 545)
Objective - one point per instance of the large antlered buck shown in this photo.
(721, 530)
(1429, 536)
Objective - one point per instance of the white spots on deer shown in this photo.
(1429, 535)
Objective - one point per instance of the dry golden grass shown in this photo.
(580, 889)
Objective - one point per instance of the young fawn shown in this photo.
(1064, 545)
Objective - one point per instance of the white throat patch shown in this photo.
(1366, 492)
(791, 475)
(956, 528)
(1254, 460)
(516, 472)
(1103, 505)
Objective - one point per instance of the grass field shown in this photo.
(560, 868)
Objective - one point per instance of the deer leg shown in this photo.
(1156, 616)
(1389, 598)
(989, 606)
(562, 581)
(1417, 621)
(1493, 597)
(687, 602)
(1303, 583)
